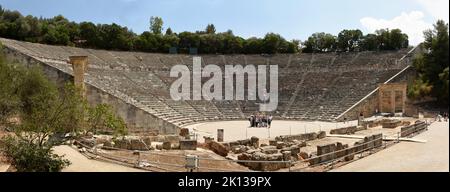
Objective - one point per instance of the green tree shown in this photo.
(370, 42)
(189, 40)
(115, 37)
(398, 40)
(89, 33)
(30, 157)
(320, 42)
(349, 40)
(293, 46)
(10, 80)
(103, 118)
(432, 65)
(168, 41)
(147, 42)
(231, 43)
(156, 25)
(46, 112)
(271, 43)
(169, 31)
(253, 45)
(210, 29)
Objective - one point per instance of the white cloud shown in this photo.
(412, 24)
(439, 9)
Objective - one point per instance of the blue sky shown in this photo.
(293, 19)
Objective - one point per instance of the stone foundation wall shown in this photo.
(302, 137)
(413, 129)
(334, 151)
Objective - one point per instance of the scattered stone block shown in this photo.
(184, 132)
(273, 142)
(295, 150)
(188, 144)
(269, 150)
(218, 148)
(208, 140)
(239, 149)
(167, 145)
(287, 155)
(245, 142)
(281, 145)
(344, 131)
(303, 156)
(255, 142)
(136, 144)
(391, 124)
(321, 135)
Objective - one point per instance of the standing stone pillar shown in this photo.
(220, 135)
(393, 101)
(404, 99)
(79, 66)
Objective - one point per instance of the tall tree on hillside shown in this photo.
(169, 31)
(398, 39)
(370, 42)
(210, 29)
(156, 25)
(349, 40)
(271, 43)
(320, 42)
(432, 65)
(89, 33)
(115, 37)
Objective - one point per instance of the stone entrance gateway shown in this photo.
(392, 98)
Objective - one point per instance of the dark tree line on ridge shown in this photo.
(60, 31)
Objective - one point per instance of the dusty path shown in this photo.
(3, 167)
(81, 163)
(432, 156)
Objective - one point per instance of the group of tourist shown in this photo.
(260, 121)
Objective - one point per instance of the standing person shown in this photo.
(264, 121)
(257, 118)
(251, 120)
(270, 120)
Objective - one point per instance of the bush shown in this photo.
(103, 118)
(30, 157)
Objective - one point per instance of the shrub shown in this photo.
(30, 157)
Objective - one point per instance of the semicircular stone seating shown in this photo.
(311, 86)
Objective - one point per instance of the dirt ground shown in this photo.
(81, 163)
